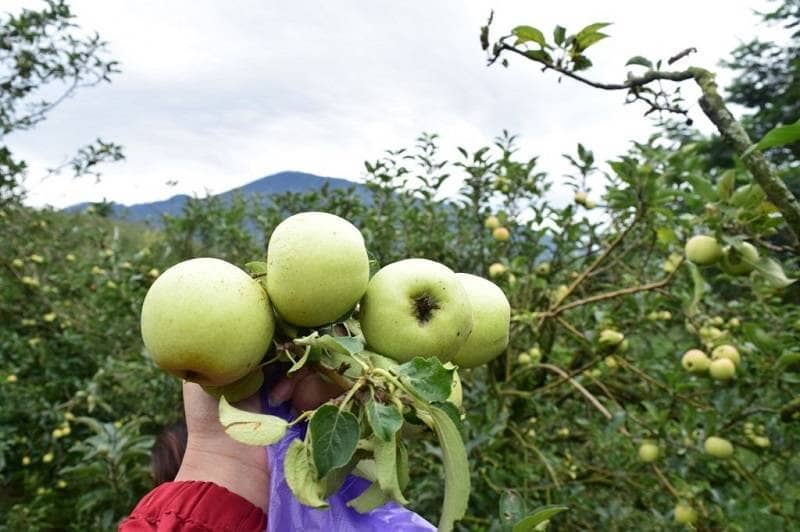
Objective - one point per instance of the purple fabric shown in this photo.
(287, 513)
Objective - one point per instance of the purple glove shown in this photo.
(285, 512)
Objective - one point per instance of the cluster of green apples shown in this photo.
(714, 446)
(582, 198)
(499, 232)
(721, 366)
(704, 250)
(207, 321)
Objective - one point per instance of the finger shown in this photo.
(313, 391)
(283, 391)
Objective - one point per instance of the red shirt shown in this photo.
(194, 506)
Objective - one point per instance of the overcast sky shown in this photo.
(216, 94)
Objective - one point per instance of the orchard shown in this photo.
(627, 359)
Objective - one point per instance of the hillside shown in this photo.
(265, 187)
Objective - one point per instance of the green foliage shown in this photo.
(765, 83)
(44, 58)
(80, 400)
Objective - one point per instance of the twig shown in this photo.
(586, 393)
(665, 482)
(614, 294)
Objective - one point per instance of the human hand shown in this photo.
(213, 456)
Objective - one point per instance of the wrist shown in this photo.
(239, 468)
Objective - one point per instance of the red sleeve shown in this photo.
(194, 506)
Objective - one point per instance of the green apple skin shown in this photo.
(415, 307)
(497, 269)
(317, 268)
(735, 262)
(727, 351)
(238, 390)
(685, 514)
(610, 337)
(491, 317)
(722, 369)
(501, 234)
(718, 447)
(703, 250)
(695, 361)
(648, 452)
(207, 321)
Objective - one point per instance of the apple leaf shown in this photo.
(726, 184)
(455, 416)
(747, 196)
(559, 33)
(538, 517)
(250, 428)
(345, 345)
(385, 420)
(456, 469)
(639, 60)
(386, 469)
(773, 272)
(403, 474)
(371, 498)
(301, 476)
(366, 469)
(256, 268)
(699, 289)
(428, 378)
(789, 361)
(334, 435)
(335, 478)
(777, 136)
(300, 362)
(528, 33)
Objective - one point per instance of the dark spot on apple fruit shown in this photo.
(424, 306)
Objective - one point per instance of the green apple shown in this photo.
(718, 447)
(610, 337)
(722, 369)
(501, 234)
(739, 261)
(695, 361)
(543, 268)
(491, 316)
(491, 222)
(238, 390)
(524, 359)
(416, 307)
(685, 514)
(207, 321)
(590, 203)
(581, 197)
(648, 452)
(497, 269)
(703, 250)
(761, 441)
(317, 268)
(726, 351)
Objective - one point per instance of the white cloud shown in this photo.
(217, 94)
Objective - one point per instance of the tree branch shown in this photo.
(713, 107)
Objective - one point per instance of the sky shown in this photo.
(213, 95)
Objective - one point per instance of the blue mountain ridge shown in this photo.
(266, 186)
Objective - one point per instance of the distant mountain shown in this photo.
(265, 187)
